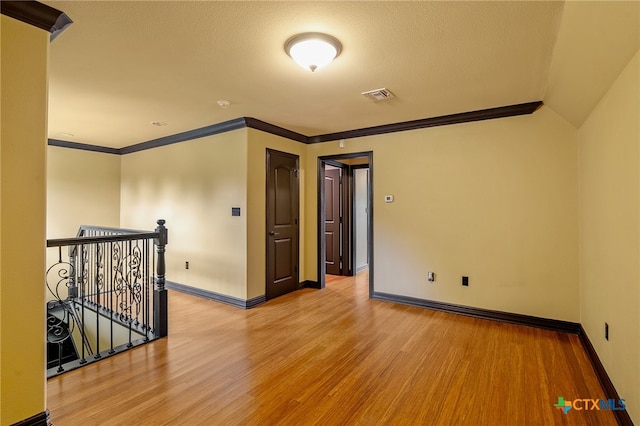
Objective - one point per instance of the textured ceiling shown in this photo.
(595, 42)
(122, 65)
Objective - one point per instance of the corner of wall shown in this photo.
(609, 153)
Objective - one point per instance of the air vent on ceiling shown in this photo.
(378, 94)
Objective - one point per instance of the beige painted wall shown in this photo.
(360, 217)
(193, 186)
(24, 57)
(83, 188)
(494, 200)
(610, 232)
(256, 206)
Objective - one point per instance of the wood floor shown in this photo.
(332, 357)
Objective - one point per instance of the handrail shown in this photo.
(83, 228)
(61, 242)
(111, 289)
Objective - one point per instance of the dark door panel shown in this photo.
(282, 223)
(332, 221)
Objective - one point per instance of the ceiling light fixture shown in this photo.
(313, 51)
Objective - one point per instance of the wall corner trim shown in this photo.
(610, 392)
(310, 284)
(37, 14)
(254, 123)
(218, 297)
(518, 319)
(40, 419)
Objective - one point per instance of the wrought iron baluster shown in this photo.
(109, 270)
(130, 295)
(120, 280)
(146, 290)
(96, 295)
(83, 298)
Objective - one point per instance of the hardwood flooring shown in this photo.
(332, 357)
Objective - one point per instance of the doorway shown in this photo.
(353, 169)
(336, 227)
(282, 212)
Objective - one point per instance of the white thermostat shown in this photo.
(388, 198)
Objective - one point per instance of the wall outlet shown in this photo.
(606, 331)
(186, 265)
(465, 281)
(431, 276)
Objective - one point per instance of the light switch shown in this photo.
(388, 198)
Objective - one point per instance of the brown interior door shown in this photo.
(332, 221)
(282, 223)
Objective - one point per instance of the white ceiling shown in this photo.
(122, 65)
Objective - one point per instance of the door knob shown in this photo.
(272, 233)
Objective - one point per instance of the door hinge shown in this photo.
(295, 221)
(295, 269)
(295, 172)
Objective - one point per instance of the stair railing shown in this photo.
(108, 294)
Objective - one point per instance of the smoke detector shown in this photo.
(378, 94)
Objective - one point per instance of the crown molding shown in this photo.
(37, 14)
(254, 123)
(83, 146)
(214, 129)
(444, 120)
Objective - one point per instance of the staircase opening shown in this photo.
(106, 292)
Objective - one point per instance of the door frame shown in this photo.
(322, 161)
(345, 215)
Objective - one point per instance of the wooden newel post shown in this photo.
(160, 301)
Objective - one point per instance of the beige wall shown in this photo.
(24, 57)
(610, 232)
(83, 188)
(494, 200)
(360, 217)
(193, 186)
(256, 206)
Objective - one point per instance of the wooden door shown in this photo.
(332, 221)
(282, 223)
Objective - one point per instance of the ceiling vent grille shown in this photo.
(378, 94)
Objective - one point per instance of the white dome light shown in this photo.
(313, 51)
